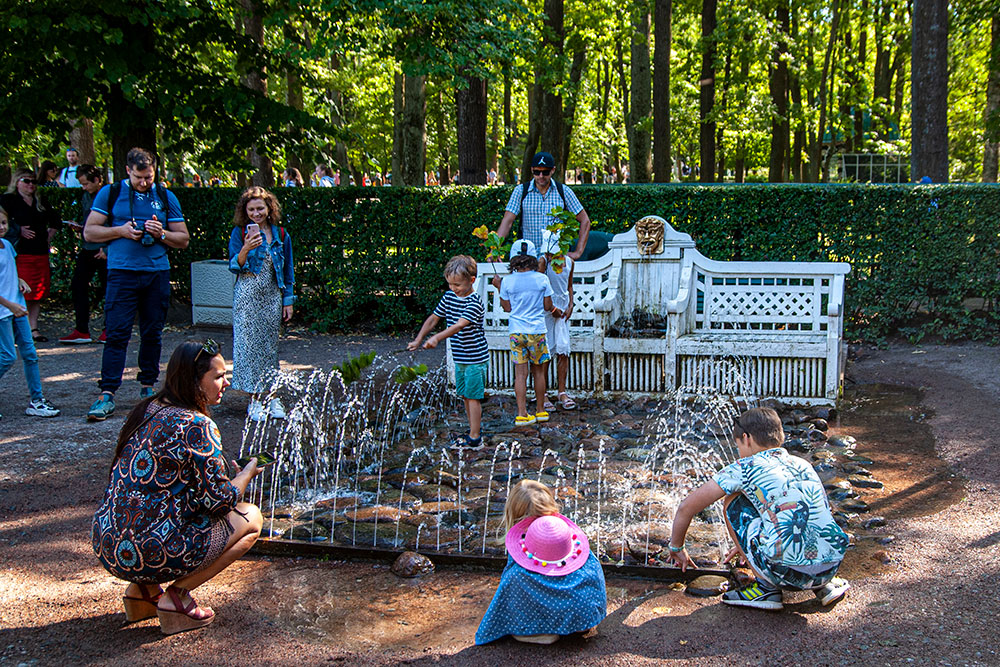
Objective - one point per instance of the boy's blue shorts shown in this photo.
(470, 380)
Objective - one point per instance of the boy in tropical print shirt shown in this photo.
(778, 515)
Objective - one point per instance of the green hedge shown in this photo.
(373, 256)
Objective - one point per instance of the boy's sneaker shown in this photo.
(76, 338)
(146, 392)
(41, 408)
(102, 408)
(103, 338)
(833, 592)
(276, 409)
(755, 595)
(465, 442)
(256, 412)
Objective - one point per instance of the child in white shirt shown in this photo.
(527, 295)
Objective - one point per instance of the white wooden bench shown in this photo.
(753, 329)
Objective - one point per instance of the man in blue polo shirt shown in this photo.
(139, 225)
(543, 195)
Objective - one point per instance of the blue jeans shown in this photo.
(146, 293)
(16, 331)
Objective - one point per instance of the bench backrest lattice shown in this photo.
(767, 303)
(766, 329)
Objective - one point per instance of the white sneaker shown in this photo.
(276, 409)
(256, 411)
(833, 592)
(41, 408)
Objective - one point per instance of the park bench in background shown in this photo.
(652, 319)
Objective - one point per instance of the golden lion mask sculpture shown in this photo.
(649, 235)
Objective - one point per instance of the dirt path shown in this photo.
(934, 602)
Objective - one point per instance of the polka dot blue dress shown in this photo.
(528, 603)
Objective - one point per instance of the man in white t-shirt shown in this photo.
(68, 176)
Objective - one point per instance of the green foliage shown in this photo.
(409, 373)
(567, 229)
(350, 370)
(373, 257)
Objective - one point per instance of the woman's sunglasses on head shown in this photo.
(209, 347)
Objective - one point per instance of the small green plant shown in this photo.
(496, 247)
(350, 370)
(409, 373)
(567, 229)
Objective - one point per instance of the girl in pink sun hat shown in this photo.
(553, 584)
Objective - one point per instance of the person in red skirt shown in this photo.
(32, 226)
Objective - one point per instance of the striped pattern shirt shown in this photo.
(468, 346)
(537, 206)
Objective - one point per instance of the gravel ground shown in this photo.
(935, 602)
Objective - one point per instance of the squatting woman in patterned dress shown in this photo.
(170, 513)
(262, 297)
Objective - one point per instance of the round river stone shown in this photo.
(412, 564)
(708, 585)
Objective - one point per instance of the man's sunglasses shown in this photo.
(209, 347)
(28, 181)
(541, 172)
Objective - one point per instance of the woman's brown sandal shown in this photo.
(141, 608)
(181, 618)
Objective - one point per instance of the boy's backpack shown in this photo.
(524, 194)
(161, 194)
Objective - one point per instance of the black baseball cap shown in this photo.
(543, 159)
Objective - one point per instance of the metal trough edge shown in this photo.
(279, 547)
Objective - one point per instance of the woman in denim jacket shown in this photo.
(262, 297)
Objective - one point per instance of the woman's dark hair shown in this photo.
(181, 388)
(522, 262)
(43, 171)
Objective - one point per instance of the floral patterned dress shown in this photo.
(164, 512)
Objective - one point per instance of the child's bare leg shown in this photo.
(562, 370)
(538, 371)
(474, 411)
(521, 388)
(544, 394)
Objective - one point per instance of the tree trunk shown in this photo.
(509, 168)
(639, 150)
(414, 121)
(859, 116)
(991, 118)
(131, 127)
(569, 111)
(816, 150)
(548, 76)
(256, 80)
(662, 40)
(778, 87)
(81, 137)
(397, 129)
(799, 136)
(706, 97)
(534, 127)
(623, 84)
(929, 63)
(470, 121)
(719, 134)
(444, 150)
(293, 98)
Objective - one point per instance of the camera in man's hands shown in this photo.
(147, 238)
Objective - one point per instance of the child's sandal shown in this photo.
(525, 421)
(542, 416)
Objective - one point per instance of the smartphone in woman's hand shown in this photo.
(253, 228)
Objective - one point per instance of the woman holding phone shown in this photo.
(260, 254)
(170, 512)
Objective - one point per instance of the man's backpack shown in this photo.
(524, 194)
(161, 194)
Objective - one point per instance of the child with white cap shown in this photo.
(553, 584)
(557, 328)
(527, 295)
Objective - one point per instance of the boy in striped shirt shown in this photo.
(463, 313)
